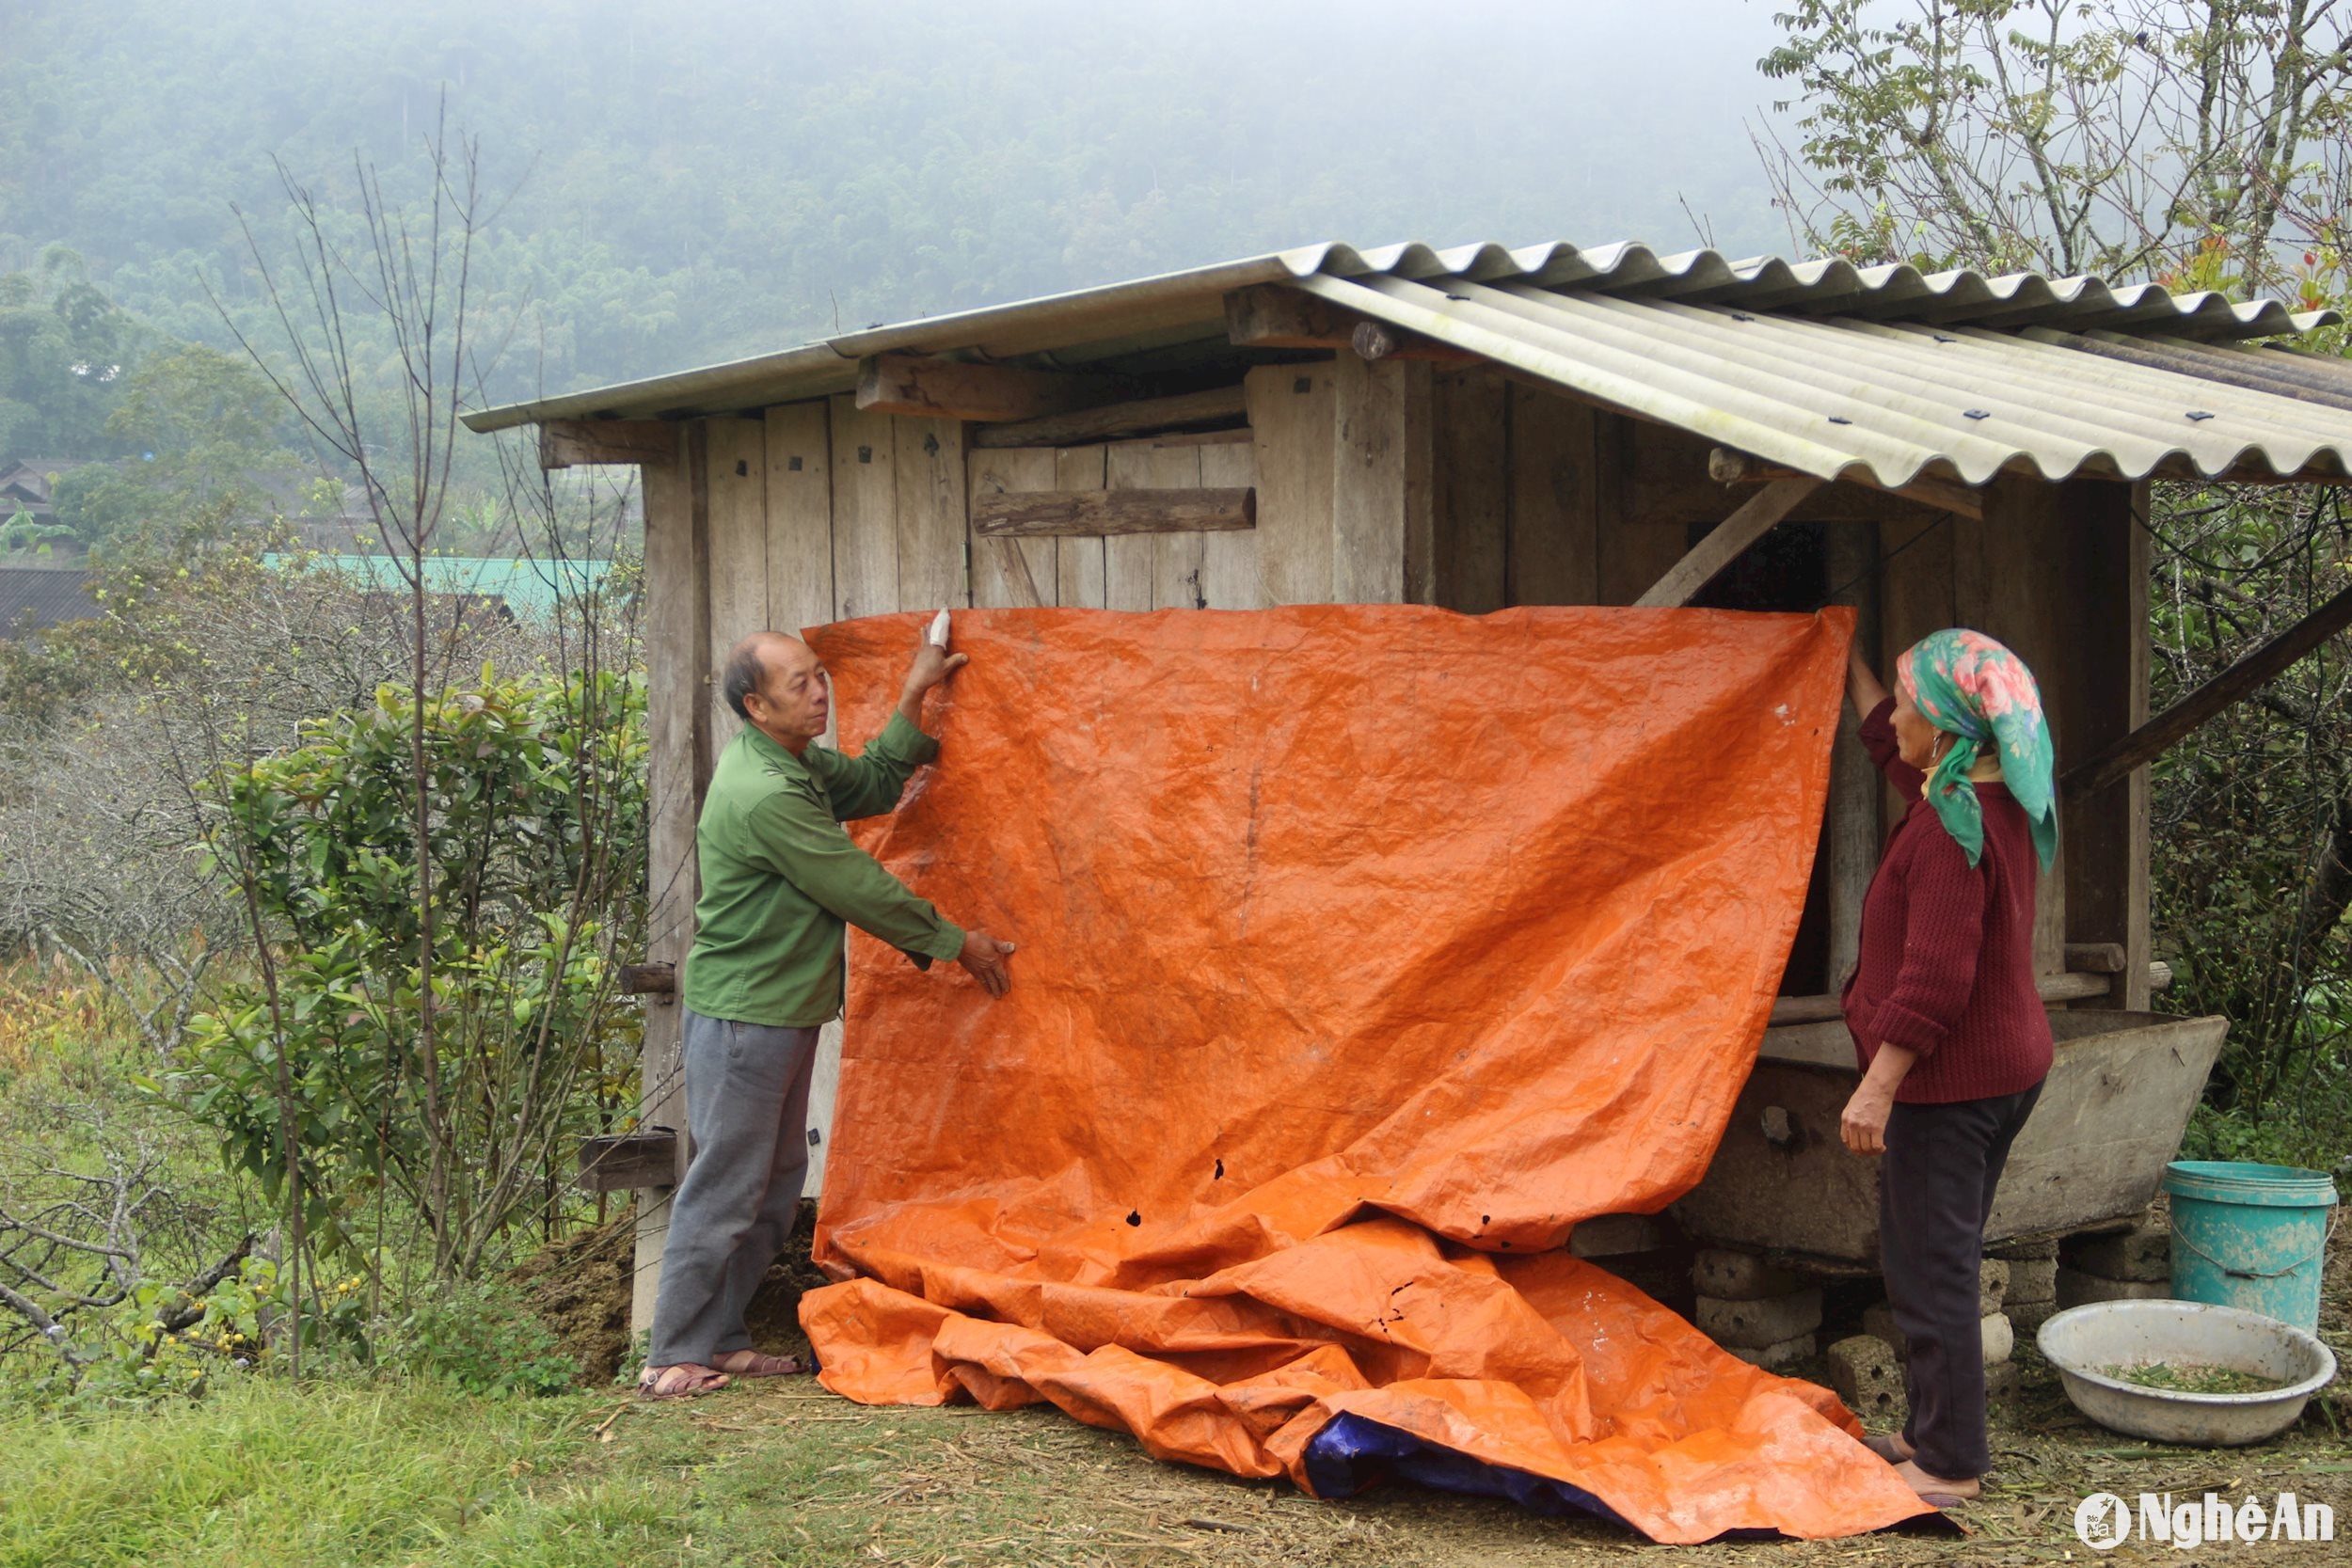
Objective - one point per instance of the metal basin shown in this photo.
(2117, 1098)
(2083, 1340)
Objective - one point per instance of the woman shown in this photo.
(1947, 1021)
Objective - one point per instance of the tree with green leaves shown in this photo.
(2199, 141)
(2061, 136)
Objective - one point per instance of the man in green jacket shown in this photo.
(780, 879)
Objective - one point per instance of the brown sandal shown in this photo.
(751, 1363)
(655, 1383)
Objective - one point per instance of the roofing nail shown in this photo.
(2199, 414)
(1976, 413)
(1840, 418)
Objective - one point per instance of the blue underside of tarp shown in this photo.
(1351, 1453)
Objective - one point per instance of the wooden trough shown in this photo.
(2112, 1114)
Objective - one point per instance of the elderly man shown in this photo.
(779, 881)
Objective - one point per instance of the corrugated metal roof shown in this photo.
(1877, 373)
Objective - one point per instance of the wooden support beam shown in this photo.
(624, 1161)
(576, 443)
(1727, 466)
(650, 979)
(1377, 341)
(956, 389)
(1271, 315)
(1752, 521)
(1088, 425)
(2095, 958)
(2072, 985)
(1087, 513)
(2239, 681)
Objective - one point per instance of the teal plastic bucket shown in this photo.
(2253, 1236)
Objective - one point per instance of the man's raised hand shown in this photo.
(984, 956)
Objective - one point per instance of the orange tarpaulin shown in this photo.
(1363, 951)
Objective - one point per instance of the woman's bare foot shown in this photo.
(1936, 1489)
(681, 1380)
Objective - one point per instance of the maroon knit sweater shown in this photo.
(1947, 966)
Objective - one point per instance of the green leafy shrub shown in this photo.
(481, 1339)
(460, 1094)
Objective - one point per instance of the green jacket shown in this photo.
(780, 878)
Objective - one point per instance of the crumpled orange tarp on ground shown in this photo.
(1363, 951)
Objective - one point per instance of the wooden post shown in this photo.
(737, 474)
(2102, 690)
(1554, 552)
(1470, 432)
(676, 664)
(2009, 581)
(1383, 544)
(1853, 835)
(1291, 423)
(799, 517)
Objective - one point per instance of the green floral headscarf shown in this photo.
(1965, 683)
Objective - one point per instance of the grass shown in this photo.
(412, 1474)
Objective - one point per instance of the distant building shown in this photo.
(28, 485)
(34, 598)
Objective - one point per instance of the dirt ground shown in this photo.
(958, 1485)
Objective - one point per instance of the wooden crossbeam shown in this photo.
(624, 1161)
(579, 443)
(1088, 426)
(1720, 549)
(954, 390)
(2241, 680)
(1270, 315)
(1049, 514)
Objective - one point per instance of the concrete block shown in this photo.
(1775, 1358)
(2027, 1317)
(1868, 1376)
(2036, 1250)
(1992, 1285)
(2000, 1382)
(1615, 1235)
(2000, 1338)
(2078, 1289)
(1879, 1322)
(1739, 1276)
(2031, 1281)
(2142, 1255)
(1757, 1324)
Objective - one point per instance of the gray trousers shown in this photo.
(747, 1108)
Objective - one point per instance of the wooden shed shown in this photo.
(1480, 428)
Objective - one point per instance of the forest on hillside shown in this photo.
(673, 188)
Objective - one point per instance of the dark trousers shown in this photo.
(747, 1105)
(1936, 1182)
